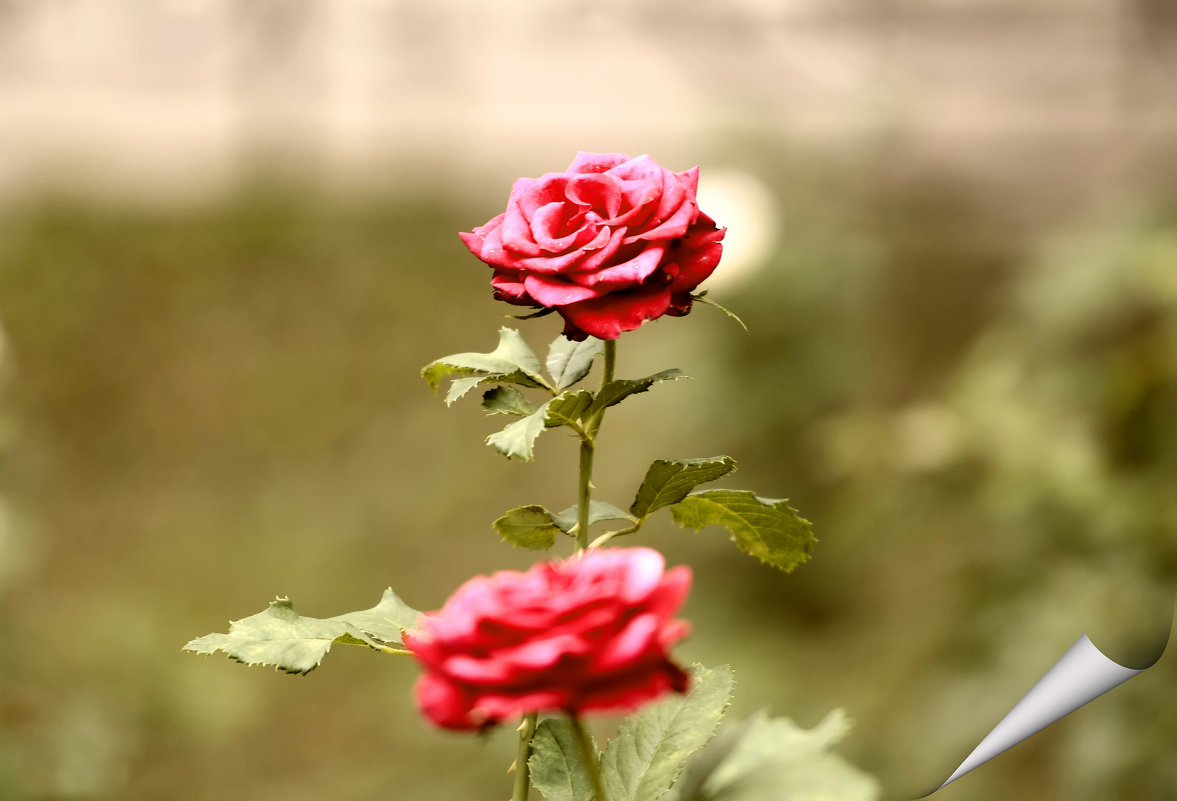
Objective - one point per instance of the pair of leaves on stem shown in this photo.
(513, 364)
(290, 642)
(768, 529)
(658, 754)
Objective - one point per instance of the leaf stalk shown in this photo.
(608, 535)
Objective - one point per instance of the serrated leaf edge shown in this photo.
(677, 772)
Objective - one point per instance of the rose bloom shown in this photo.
(587, 634)
(609, 243)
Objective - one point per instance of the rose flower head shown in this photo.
(587, 634)
(610, 243)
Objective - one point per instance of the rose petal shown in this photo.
(515, 233)
(698, 254)
(672, 631)
(668, 226)
(641, 169)
(625, 694)
(545, 652)
(443, 703)
(565, 262)
(671, 593)
(509, 287)
(639, 636)
(643, 573)
(486, 242)
(674, 196)
(425, 648)
(474, 240)
(598, 192)
(550, 224)
(627, 274)
(642, 184)
(593, 259)
(531, 194)
(498, 706)
(596, 162)
(556, 292)
(608, 316)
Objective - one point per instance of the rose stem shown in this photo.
(522, 770)
(584, 495)
(589, 756)
(587, 444)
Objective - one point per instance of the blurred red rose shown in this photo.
(610, 243)
(589, 633)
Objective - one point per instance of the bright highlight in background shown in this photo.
(742, 202)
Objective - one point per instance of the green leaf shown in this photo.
(650, 748)
(517, 440)
(531, 527)
(616, 391)
(764, 759)
(569, 361)
(557, 767)
(766, 528)
(598, 511)
(506, 400)
(386, 621)
(511, 362)
(460, 386)
(704, 762)
(535, 527)
(669, 480)
(281, 637)
(568, 408)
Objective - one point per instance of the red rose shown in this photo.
(609, 244)
(589, 633)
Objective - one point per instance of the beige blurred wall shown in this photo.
(175, 96)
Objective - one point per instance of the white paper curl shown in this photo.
(1079, 677)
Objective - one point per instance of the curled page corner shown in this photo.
(1081, 675)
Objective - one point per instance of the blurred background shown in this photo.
(228, 244)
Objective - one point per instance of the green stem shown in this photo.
(590, 758)
(587, 445)
(522, 770)
(584, 494)
(610, 360)
(606, 377)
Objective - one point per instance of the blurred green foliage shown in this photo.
(205, 407)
